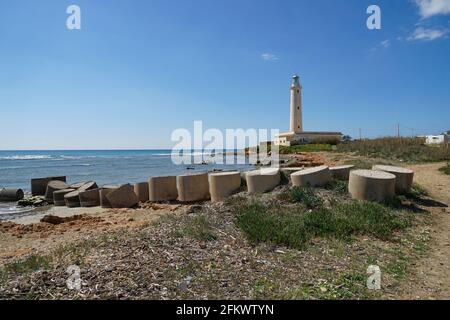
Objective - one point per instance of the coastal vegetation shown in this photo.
(445, 170)
(397, 149)
(294, 226)
(298, 243)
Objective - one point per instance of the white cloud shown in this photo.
(424, 34)
(429, 8)
(386, 43)
(269, 57)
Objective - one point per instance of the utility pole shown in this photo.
(398, 130)
(360, 135)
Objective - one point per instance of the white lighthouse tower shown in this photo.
(296, 106)
(296, 135)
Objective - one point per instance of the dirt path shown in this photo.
(432, 274)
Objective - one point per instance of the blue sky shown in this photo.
(139, 69)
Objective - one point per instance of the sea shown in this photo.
(17, 168)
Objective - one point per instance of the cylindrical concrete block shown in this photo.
(72, 199)
(141, 190)
(263, 180)
(223, 184)
(341, 172)
(403, 177)
(10, 195)
(123, 197)
(39, 185)
(162, 188)
(193, 187)
(314, 177)
(58, 197)
(371, 185)
(78, 185)
(53, 186)
(104, 202)
(88, 186)
(89, 198)
(290, 171)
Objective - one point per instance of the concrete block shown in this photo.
(403, 177)
(371, 185)
(90, 198)
(290, 171)
(58, 197)
(141, 190)
(341, 172)
(88, 186)
(163, 188)
(223, 184)
(263, 180)
(314, 177)
(104, 202)
(78, 185)
(11, 195)
(72, 199)
(123, 197)
(53, 186)
(39, 185)
(193, 187)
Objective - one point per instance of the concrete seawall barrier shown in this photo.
(72, 199)
(58, 197)
(103, 191)
(193, 188)
(53, 186)
(403, 177)
(39, 185)
(263, 180)
(10, 195)
(341, 172)
(163, 188)
(314, 177)
(88, 186)
(141, 190)
(123, 197)
(223, 184)
(90, 198)
(371, 185)
(78, 185)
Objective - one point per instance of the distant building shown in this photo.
(437, 139)
(296, 135)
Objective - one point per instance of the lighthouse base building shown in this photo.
(297, 135)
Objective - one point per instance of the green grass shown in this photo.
(29, 264)
(198, 227)
(345, 286)
(306, 148)
(445, 170)
(398, 149)
(295, 227)
(339, 187)
(417, 191)
(306, 196)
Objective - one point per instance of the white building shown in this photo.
(296, 135)
(442, 138)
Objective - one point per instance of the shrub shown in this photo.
(405, 149)
(338, 186)
(445, 170)
(306, 196)
(199, 227)
(294, 227)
